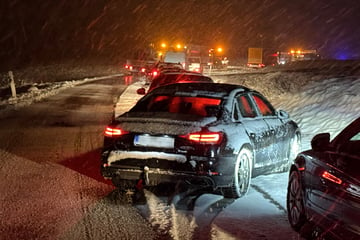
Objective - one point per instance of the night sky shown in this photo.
(54, 30)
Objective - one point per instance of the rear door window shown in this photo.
(246, 107)
(265, 108)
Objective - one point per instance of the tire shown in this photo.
(294, 150)
(242, 175)
(295, 202)
(295, 147)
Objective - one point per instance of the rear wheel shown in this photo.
(295, 202)
(242, 175)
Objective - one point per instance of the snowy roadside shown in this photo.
(324, 106)
(37, 92)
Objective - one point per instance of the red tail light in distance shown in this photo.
(154, 73)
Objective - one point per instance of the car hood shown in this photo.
(162, 123)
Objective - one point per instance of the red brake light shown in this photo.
(113, 132)
(143, 70)
(331, 177)
(155, 73)
(301, 169)
(205, 137)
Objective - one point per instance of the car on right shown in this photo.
(324, 186)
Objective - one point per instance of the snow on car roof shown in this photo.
(219, 90)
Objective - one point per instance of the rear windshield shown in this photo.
(177, 78)
(200, 106)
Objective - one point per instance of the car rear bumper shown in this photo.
(153, 177)
(155, 168)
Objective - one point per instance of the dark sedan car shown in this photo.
(207, 134)
(161, 67)
(324, 186)
(175, 77)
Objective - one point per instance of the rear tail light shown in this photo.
(205, 137)
(331, 177)
(143, 70)
(154, 73)
(114, 132)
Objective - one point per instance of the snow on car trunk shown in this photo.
(163, 123)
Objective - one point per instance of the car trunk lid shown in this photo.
(163, 123)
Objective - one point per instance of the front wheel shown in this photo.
(295, 202)
(242, 175)
(294, 149)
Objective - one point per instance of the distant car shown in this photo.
(255, 65)
(175, 57)
(175, 77)
(138, 66)
(161, 67)
(208, 134)
(324, 185)
(195, 64)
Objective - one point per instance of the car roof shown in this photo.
(178, 77)
(181, 75)
(179, 72)
(209, 89)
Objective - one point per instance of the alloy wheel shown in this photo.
(295, 202)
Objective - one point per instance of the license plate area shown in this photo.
(154, 141)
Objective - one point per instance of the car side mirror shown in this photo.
(141, 91)
(282, 114)
(320, 142)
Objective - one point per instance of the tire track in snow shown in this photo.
(159, 214)
(267, 196)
